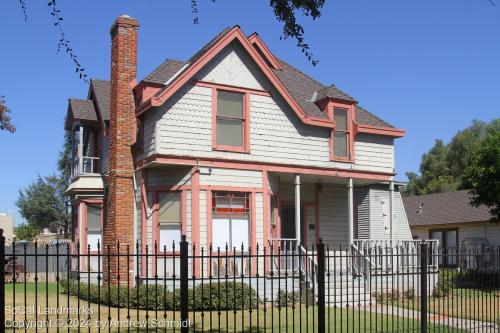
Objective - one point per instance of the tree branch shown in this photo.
(5, 121)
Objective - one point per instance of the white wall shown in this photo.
(466, 231)
(333, 223)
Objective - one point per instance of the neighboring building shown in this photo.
(230, 146)
(449, 218)
(7, 224)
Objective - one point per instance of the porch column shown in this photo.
(297, 208)
(350, 210)
(391, 209)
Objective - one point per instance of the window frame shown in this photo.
(249, 206)
(442, 243)
(156, 220)
(350, 132)
(245, 147)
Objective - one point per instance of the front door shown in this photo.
(288, 222)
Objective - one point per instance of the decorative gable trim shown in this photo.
(234, 34)
(255, 40)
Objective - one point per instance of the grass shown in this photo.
(462, 303)
(261, 320)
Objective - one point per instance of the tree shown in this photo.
(5, 122)
(42, 204)
(482, 175)
(442, 167)
(26, 231)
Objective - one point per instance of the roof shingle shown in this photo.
(82, 109)
(102, 92)
(443, 208)
(164, 72)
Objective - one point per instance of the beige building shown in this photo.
(7, 224)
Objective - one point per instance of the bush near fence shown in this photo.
(206, 297)
(452, 278)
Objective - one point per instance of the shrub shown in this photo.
(444, 284)
(409, 294)
(216, 296)
(286, 299)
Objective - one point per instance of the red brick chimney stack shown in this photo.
(120, 213)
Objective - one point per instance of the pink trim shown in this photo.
(246, 121)
(144, 218)
(195, 217)
(389, 131)
(222, 86)
(244, 165)
(253, 231)
(255, 39)
(186, 75)
(350, 131)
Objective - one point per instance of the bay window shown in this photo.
(230, 121)
(94, 226)
(230, 220)
(169, 219)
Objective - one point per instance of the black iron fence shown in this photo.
(380, 286)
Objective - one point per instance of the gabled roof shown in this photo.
(80, 109)
(299, 90)
(443, 208)
(102, 92)
(164, 72)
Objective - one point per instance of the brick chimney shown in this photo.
(120, 212)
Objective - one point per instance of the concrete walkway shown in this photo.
(459, 323)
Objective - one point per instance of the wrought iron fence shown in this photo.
(184, 288)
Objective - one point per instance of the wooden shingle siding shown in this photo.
(184, 127)
(333, 215)
(230, 177)
(232, 67)
(169, 176)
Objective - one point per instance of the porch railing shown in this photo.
(85, 165)
(379, 255)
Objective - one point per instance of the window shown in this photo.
(341, 133)
(169, 219)
(230, 122)
(230, 220)
(448, 245)
(94, 226)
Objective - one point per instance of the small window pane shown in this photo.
(340, 116)
(340, 144)
(220, 233)
(169, 207)
(94, 239)
(239, 235)
(230, 132)
(93, 218)
(229, 104)
(169, 234)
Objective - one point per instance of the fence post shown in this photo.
(423, 286)
(2, 281)
(321, 286)
(184, 285)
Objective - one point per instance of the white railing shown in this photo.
(85, 165)
(389, 256)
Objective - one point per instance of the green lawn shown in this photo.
(261, 320)
(463, 303)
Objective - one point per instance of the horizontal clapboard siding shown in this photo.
(230, 177)
(333, 215)
(401, 226)
(468, 232)
(363, 199)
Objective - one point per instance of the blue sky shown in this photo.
(427, 66)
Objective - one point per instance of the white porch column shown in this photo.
(350, 210)
(391, 208)
(297, 208)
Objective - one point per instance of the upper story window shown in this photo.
(342, 134)
(231, 123)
